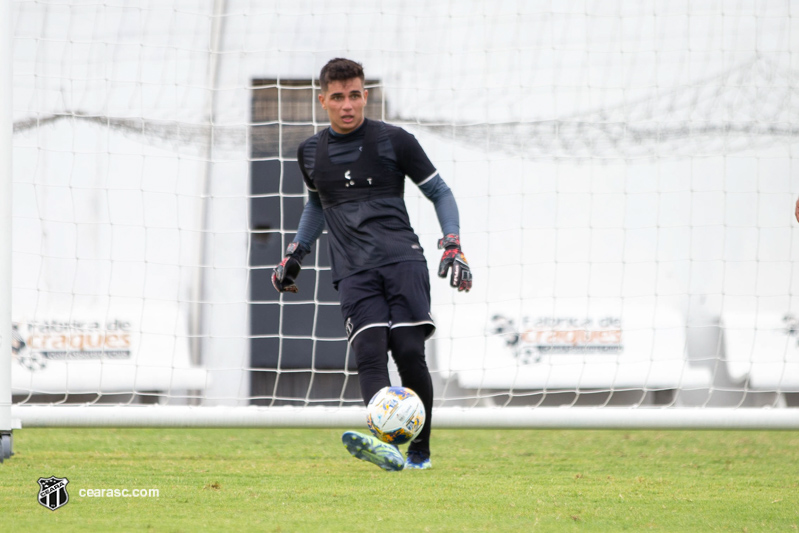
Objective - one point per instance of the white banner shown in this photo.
(538, 349)
(762, 349)
(89, 352)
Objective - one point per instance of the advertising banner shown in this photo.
(635, 347)
(94, 352)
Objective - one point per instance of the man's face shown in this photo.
(344, 102)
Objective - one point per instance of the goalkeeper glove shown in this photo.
(287, 271)
(461, 277)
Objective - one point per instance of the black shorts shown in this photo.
(392, 296)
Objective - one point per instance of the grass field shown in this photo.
(304, 480)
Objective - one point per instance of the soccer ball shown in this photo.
(395, 415)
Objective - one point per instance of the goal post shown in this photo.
(711, 418)
(6, 422)
(625, 177)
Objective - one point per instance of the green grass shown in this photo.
(305, 481)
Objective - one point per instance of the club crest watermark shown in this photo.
(53, 492)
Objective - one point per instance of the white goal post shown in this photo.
(624, 171)
(7, 423)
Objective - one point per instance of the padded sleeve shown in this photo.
(437, 191)
(312, 221)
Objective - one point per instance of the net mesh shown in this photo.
(624, 173)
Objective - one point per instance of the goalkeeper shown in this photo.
(355, 174)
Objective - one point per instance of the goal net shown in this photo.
(624, 173)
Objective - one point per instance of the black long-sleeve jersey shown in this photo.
(360, 179)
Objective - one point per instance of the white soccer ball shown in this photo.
(395, 415)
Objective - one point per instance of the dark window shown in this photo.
(307, 331)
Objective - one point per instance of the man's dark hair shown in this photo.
(340, 69)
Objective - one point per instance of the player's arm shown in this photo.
(312, 223)
(796, 212)
(437, 191)
(417, 165)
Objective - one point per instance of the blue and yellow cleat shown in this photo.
(417, 461)
(374, 450)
